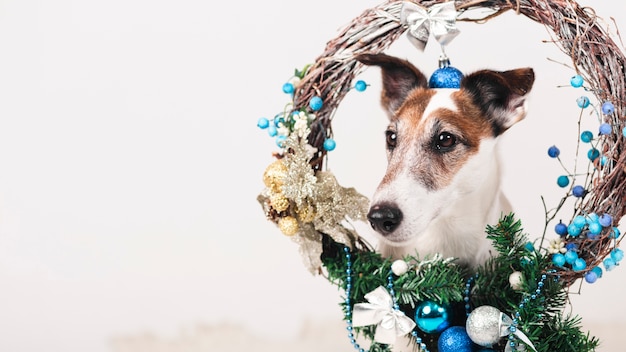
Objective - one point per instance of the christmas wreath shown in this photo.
(514, 301)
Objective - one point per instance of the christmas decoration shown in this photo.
(516, 300)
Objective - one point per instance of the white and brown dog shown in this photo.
(442, 185)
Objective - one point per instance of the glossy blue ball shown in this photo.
(591, 277)
(605, 129)
(446, 77)
(455, 339)
(560, 229)
(579, 264)
(558, 259)
(605, 220)
(592, 217)
(573, 230)
(586, 136)
(578, 191)
(617, 255)
(329, 144)
(263, 123)
(271, 130)
(593, 154)
(562, 181)
(608, 108)
(598, 271)
(288, 88)
(570, 257)
(583, 102)
(595, 228)
(360, 86)
(579, 221)
(553, 151)
(609, 264)
(577, 81)
(431, 317)
(316, 103)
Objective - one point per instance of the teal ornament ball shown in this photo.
(446, 77)
(431, 317)
(454, 339)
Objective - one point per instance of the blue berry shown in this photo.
(598, 271)
(615, 233)
(280, 141)
(617, 255)
(271, 130)
(570, 257)
(593, 154)
(609, 264)
(554, 152)
(595, 228)
(583, 102)
(316, 103)
(605, 220)
(586, 136)
(579, 264)
(578, 191)
(571, 246)
(560, 229)
(330, 144)
(592, 217)
(573, 230)
(558, 259)
(579, 221)
(608, 108)
(624, 131)
(529, 246)
(360, 86)
(603, 160)
(605, 129)
(288, 88)
(577, 81)
(591, 277)
(263, 123)
(562, 181)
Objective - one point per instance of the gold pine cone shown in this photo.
(288, 225)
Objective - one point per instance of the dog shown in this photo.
(442, 184)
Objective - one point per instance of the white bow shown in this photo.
(440, 19)
(505, 325)
(391, 323)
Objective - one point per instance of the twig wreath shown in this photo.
(515, 301)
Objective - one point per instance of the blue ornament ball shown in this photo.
(586, 136)
(562, 181)
(554, 151)
(583, 102)
(560, 229)
(330, 144)
(577, 81)
(360, 86)
(455, 339)
(288, 88)
(316, 103)
(431, 317)
(446, 77)
(608, 108)
(578, 191)
(558, 259)
(605, 129)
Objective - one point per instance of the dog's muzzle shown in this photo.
(384, 218)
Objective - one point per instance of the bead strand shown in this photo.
(466, 294)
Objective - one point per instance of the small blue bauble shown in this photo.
(586, 136)
(592, 217)
(330, 144)
(598, 271)
(583, 102)
(577, 81)
(605, 220)
(560, 229)
(263, 123)
(446, 77)
(609, 264)
(578, 191)
(605, 129)
(431, 317)
(280, 141)
(316, 103)
(570, 257)
(455, 339)
(558, 259)
(553, 151)
(593, 154)
(615, 233)
(579, 221)
(360, 86)
(271, 130)
(562, 181)
(591, 277)
(573, 230)
(608, 108)
(288, 88)
(617, 255)
(579, 264)
(595, 228)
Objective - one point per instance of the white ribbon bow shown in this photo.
(505, 325)
(440, 19)
(391, 323)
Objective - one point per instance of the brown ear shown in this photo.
(500, 95)
(399, 78)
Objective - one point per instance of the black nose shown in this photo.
(384, 218)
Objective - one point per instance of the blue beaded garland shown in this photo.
(608, 108)
(455, 339)
(583, 102)
(316, 103)
(578, 191)
(554, 151)
(577, 81)
(562, 181)
(605, 129)
(360, 86)
(586, 136)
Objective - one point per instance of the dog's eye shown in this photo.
(391, 139)
(445, 141)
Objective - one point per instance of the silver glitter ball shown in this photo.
(483, 325)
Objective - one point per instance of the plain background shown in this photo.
(130, 163)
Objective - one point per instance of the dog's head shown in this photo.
(439, 141)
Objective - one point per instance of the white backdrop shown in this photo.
(130, 162)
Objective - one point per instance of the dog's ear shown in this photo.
(399, 78)
(500, 95)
